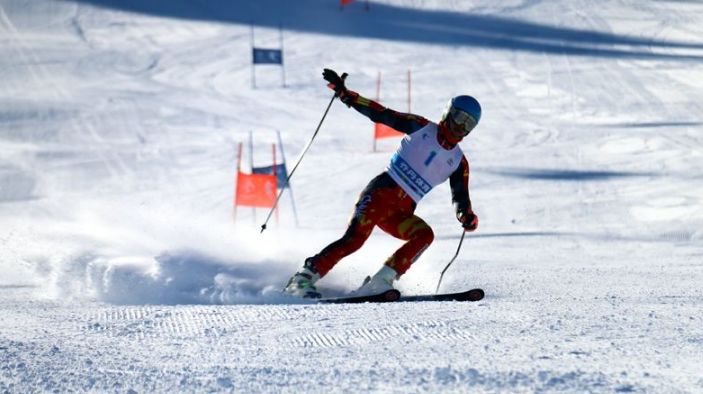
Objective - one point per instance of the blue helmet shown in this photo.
(461, 115)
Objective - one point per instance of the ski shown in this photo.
(470, 295)
(386, 296)
(395, 296)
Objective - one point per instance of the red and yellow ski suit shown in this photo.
(385, 204)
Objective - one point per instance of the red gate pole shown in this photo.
(378, 100)
(236, 181)
(273, 169)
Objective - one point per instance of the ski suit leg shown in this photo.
(415, 231)
(357, 233)
(381, 199)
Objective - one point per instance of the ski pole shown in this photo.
(463, 233)
(290, 175)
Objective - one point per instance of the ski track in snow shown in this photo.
(121, 269)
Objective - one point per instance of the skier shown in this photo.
(427, 156)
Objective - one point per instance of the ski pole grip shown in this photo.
(344, 76)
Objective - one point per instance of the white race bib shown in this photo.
(421, 163)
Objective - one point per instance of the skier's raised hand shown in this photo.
(336, 82)
(468, 220)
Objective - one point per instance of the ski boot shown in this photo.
(302, 284)
(382, 281)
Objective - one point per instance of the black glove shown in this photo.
(336, 82)
(468, 220)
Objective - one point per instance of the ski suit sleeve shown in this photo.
(403, 122)
(459, 184)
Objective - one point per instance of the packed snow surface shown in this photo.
(124, 269)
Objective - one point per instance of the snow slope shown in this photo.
(121, 268)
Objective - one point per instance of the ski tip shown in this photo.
(475, 295)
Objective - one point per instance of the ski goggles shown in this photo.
(460, 122)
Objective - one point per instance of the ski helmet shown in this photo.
(461, 115)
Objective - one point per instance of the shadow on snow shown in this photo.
(682, 236)
(396, 23)
(653, 125)
(564, 175)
